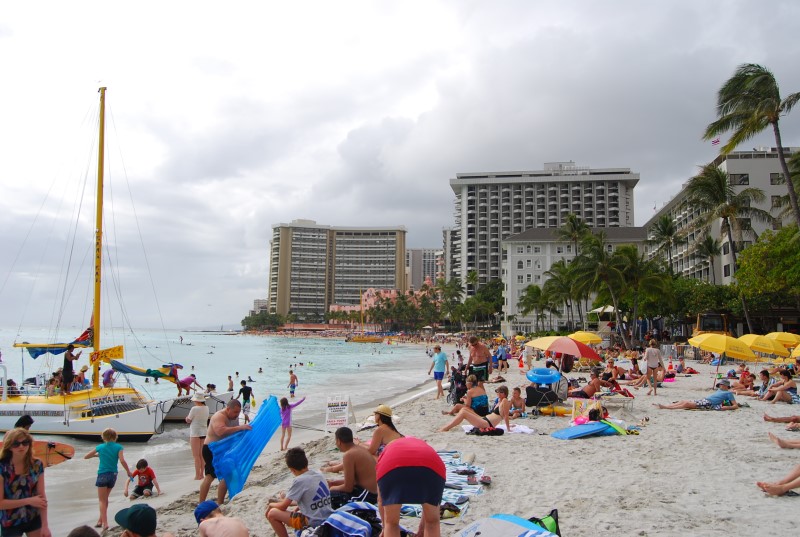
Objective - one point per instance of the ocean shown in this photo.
(368, 374)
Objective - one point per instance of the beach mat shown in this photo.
(235, 455)
(504, 526)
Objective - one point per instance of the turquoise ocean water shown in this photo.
(366, 373)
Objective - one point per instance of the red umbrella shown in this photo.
(564, 345)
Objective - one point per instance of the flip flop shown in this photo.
(791, 493)
(472, 480)
(486, 480)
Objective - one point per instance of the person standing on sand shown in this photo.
(654, 359)
(222, 424)
(293, 383)
(110, 454)
(198, 429)
(286, 421)
(23, 499)
(439, 365)
(480, 360)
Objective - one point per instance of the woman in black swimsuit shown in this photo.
(498, 415)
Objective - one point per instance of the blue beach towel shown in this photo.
(235, 455)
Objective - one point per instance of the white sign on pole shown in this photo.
(337, 412)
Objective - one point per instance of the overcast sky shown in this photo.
(231, 117)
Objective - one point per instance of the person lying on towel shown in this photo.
(722, 399)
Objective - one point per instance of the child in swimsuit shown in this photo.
(286, 421)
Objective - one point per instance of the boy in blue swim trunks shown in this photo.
(722, 399)
(293, 382)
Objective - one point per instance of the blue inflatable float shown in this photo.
(543, 375)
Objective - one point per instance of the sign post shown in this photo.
(338, 412)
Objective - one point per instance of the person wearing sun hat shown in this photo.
(212, 523)
(385, 433)
(198, 429)
(722, 399)
(138, 521)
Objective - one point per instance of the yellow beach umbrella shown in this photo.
(796, 352)
(764, 344)
(787, 339)
(519, 337)
(731, 347)
(589, 338)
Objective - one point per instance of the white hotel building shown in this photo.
(492, 206)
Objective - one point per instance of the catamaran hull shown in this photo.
(134, 425)
(182, 405)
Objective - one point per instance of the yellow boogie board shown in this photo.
(51, 453)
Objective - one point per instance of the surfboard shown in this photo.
(51, 453)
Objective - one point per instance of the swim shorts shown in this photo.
(208, 458)
(106, 479)
(23, 528)
(291, 388)
(705, 404)
(246, 407)
(139, 490)
(297, 520)
(438, 375)
(580, 394)
(481, 372)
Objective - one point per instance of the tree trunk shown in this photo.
(622, 331)
(733, 273)
(787, 176)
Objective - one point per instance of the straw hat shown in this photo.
(198, 398)
(84, 369)
(384, 410)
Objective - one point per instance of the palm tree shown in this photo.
(640, 275)
(600, 269)
(531, 301)
(747, 104)
(472, 282)
(665, 236)
(558, 286)
(709, 248)
(712, 192)
(573, 230)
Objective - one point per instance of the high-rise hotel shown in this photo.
(492, 206)
(313, 266)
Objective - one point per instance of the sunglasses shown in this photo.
(18, 443)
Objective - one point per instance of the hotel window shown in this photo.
(520, 278)
(726, 270)
(538, 278)
(740, 178)
(520, 250)
(519, 264)
(529, 263)
(537, 249)
(559, 249)
(528, 249)
(726, 248)
(776, 179)
(528, 278)
(776, 201)
(777, 224)
(569, 248)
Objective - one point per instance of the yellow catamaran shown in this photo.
(86, 413)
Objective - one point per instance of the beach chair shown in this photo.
(586, 364)
(539, 397)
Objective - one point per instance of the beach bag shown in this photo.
(486, 431)
(548, 522)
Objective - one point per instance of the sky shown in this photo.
(227, 118)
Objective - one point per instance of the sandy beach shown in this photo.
(686, 473)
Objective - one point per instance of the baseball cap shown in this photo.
(204, 509)
(724, 382)
(140, 519)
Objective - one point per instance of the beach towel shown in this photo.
(516, 429)
(235, 455)
(504, 526)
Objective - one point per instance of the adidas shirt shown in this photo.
(310, 491)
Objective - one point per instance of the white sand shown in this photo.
(687, 473)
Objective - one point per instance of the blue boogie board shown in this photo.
(595, 428)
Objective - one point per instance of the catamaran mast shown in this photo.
(98, 242)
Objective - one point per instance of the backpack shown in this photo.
(548, 522)
(486, 431)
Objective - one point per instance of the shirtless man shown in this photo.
(222, 423)
(480, 359)
(212, 523)
(591, 388)
(358, 472)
